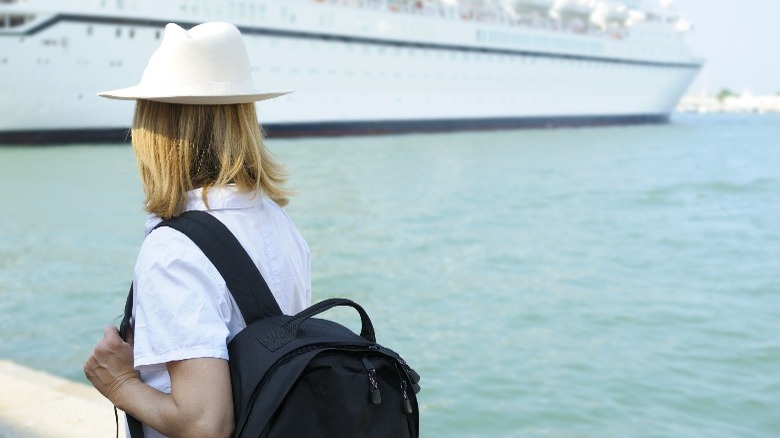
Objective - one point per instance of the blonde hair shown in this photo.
(184, 147)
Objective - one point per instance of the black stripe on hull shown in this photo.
(253, 30)
(63, 136)
(282, 130)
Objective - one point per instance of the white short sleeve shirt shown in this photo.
(181, 306)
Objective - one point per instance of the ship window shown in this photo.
(132, 33)
(118, 32)
(7, 21)
(89, 30)
(157, 35)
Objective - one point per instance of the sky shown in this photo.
(740, 40)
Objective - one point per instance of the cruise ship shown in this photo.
(357, 66)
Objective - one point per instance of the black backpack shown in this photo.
(299, 376)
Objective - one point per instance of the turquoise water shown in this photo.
(603, 282)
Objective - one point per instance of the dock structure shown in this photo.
(35, 404)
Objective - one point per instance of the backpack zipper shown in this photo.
(403, 376)
(413, 376)
(407, 403)
(376, 396)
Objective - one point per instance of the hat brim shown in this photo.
(138, 92)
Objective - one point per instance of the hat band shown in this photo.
(181, 87)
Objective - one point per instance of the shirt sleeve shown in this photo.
(179, 311)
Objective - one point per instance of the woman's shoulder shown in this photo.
(167, 249)
(166, 240)
(282, 217)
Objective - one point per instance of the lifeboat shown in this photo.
(635, 17)
(609, 14)
(531, 6)
(573, 8)
(683, 26)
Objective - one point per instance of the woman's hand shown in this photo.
(111, 364)
(200, 403)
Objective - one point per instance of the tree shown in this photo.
(724, 94)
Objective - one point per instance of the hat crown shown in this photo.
(207, 53)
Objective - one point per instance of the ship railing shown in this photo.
(490, 12)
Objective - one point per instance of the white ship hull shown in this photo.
(353, 70)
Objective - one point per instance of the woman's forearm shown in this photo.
(160, 411)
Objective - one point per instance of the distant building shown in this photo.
(744, 103)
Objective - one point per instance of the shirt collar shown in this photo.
(220, 198)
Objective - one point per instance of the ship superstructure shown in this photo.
(356, 65)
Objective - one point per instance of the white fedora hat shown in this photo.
(207, 65)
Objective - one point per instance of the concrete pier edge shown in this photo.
(34, 404)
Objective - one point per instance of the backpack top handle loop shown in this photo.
(289, 330)
(366, 331)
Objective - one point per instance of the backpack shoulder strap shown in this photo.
(240, 273)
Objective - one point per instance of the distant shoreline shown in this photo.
(743, 103)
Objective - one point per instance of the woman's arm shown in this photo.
(200, 403)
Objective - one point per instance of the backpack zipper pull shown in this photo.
(412, 373)
(407, 403)
(376, 396)
(413, 376)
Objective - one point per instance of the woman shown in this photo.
(199, 147)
